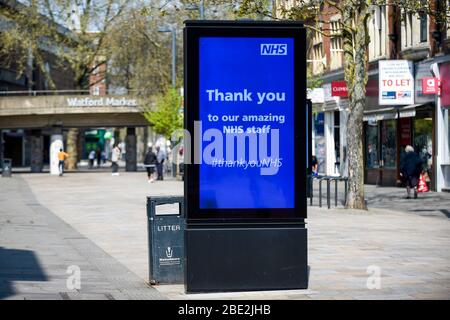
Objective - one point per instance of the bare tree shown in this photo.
(355, 36)
(76, 32)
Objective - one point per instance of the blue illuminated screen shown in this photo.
(246, 109)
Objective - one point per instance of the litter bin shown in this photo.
(166, 241)
(6, 167)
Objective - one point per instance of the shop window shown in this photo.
(448, 29)
(320, 141)
(423, 140)
(389, 144)
(317, 53)
(96, 91)
(337, 136)
(335, 45)
(372, 145)
(405, 135)
(423, 27)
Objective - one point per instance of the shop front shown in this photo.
(380, 151)
(386, 136)
(388, 129)
(329, 132)
(443, 127)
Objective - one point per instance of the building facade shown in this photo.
(423, 123)
(34, 116)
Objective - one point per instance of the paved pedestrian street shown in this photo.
(50, 226)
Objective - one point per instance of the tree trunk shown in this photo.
(355, 195)
(356, 76)
(72, 150)
(72, 134)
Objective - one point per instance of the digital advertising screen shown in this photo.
(246, 113)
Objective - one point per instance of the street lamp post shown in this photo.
(174, 52)
(200, 7)
(202, 10)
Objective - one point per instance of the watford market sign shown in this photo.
(101, 102)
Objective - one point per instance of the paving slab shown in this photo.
(408, 247)
(38, 252)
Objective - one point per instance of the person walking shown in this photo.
(103, 156)
(150, 164)
(115, 157)
(410, 170)
(181, 162)
(91, 159)
(98, 155)
(62, 156)
(314, 166)
(160, 157)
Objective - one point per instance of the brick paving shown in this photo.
(107, 214)
(37, 248)
(428, 204)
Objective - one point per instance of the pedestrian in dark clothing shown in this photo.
(160, 158)
(314, 166)
(98, 155)
(150, 164)
(410, 170)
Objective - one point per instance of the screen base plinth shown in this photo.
(223, 259)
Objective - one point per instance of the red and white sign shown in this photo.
(339, 89)
(396, 82)
(430, 86)
(445, 85)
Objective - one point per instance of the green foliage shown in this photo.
(140, 57)
(37, 25)
(165, 117)
(353, 23)
(313, 80)
(255, 9)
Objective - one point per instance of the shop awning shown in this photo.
(392, 112)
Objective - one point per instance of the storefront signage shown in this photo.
(339, 89)
(396, 82)
(445, 85)
(101, 102)
(316, 95)
(430, 85)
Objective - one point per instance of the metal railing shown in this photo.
(328, 179)
(43, 92)
(65, 92)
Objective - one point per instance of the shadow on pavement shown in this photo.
(18, 265)
(444, 211)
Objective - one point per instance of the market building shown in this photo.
(35, 116)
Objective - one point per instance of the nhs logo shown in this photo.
(273, 49)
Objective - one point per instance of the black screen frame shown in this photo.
(192, 33)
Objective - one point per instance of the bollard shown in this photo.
(6, 167)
